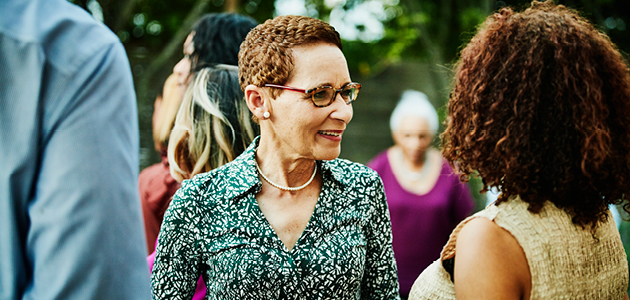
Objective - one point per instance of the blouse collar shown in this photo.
(246, 178)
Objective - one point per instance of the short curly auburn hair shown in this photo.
(541, 109)
(265, 55)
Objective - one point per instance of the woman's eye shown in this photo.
(346, 93)
(320, 95)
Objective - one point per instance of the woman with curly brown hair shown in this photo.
(286, 219)
(541, 110)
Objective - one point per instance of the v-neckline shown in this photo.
(405, 189)
(310, 224)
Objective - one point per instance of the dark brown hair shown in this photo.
(217, 38)
(265, 55)
(541, 109)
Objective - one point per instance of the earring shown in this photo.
(266, 115)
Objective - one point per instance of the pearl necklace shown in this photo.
(286, 188)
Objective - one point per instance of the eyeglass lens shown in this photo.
(325, 95)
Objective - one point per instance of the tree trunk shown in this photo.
(231, 6)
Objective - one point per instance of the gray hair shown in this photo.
(416, 104)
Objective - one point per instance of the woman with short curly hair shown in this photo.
(286, 219)
(541, 110)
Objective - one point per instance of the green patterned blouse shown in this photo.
(214, 228)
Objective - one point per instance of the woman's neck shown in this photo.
(420, 181)
(414, 164)
(282, 166)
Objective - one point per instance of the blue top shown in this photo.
(214, 228)
(70, 221)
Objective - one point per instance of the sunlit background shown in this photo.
(390, 45)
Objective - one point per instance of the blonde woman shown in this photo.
(214, 39)
(212, 127)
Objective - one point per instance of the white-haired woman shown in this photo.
(426, 201)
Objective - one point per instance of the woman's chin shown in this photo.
(416, 156)
(328, 154)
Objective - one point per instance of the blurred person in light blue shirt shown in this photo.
(70, 222)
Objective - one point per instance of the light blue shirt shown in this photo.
(70, 221)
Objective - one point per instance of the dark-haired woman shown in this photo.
(540, 109)
(214, 39)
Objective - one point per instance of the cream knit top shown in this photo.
(565, 261)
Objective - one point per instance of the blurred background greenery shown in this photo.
(390, 45)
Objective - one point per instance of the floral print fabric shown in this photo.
(214, 228)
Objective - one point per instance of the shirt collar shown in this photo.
(331, 169)
(242, 173)
(246, 176)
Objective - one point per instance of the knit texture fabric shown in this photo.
(565, 261)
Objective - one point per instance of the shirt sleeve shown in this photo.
(380, 280)
(85, 239)
(176, 268)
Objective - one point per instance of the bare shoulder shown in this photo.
(490, 262)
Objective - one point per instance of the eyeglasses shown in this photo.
(323, 96)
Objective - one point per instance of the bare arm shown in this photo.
(490, 262)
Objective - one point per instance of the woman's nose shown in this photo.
(342, 111)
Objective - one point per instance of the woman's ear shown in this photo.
(256, 99)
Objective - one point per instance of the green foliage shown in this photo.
(430, 30)
(471, 17)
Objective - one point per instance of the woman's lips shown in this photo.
(334, 135)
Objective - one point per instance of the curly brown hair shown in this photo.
(541, 109)
(266, 56)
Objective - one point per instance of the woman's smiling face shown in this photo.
(306, 130)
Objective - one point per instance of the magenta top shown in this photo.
(421, 224)
(200, 291)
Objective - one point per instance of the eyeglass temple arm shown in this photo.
(286, 88)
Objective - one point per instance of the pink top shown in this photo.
(200, 292)
(421, 224)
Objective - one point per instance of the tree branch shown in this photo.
(124, 14)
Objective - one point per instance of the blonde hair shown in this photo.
(165, 117)
(213, 124)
